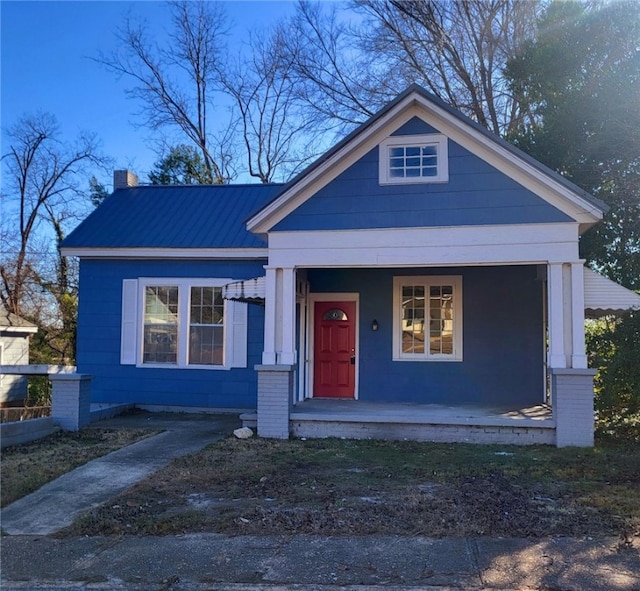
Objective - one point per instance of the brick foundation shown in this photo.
(275, 388)
(572, 401)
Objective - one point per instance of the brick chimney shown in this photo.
(123, 179)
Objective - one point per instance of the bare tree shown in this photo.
(335, 79)
(457, 49)
(177, 82)
(44, 183)
(275, 134)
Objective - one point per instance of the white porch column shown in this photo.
(270, 303)
(287, 349)
(555, 296)
(578, 351)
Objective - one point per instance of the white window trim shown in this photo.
(234, 327)
(433, 139)
(427, 281)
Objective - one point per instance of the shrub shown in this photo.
(613, 345)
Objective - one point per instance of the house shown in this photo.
(420, 280)
(15, 333)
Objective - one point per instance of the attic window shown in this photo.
(414, 159)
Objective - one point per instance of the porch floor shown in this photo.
(354, 419)
(315, 409)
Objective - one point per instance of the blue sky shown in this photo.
(46, 50)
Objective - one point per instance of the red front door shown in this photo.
(334, 347)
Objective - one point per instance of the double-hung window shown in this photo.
(206, 326)
(183, 323)
(414, 159)
(161, 314)
(427, 321)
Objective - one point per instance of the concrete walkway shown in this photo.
(58, 503)
(32, 559)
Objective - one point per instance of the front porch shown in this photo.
(484, 383)
(355, 419)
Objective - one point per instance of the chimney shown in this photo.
(123, 179)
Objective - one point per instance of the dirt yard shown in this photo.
(338, 487)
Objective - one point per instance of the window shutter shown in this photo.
(129, 331)
(237, 343)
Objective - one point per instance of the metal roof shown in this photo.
(174, 216)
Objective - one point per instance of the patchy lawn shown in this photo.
(26, 467)
(339, 487)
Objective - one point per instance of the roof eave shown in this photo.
(165, 253)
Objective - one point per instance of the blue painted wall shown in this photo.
(415, 126)
(476, 194)
(99, 321)
(502, 340)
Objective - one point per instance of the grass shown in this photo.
(27, 467)
(339, 487)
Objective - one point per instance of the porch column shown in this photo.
(555, 297)
(276, 373)
(287, 352)
(571, 381)
(578, 351)
(270, 303)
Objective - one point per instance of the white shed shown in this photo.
(14, 350)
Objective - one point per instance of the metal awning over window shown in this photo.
(250, 291)
(603, 297)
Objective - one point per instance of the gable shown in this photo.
(474, 194)
(417, 110)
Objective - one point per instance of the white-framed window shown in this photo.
(182, 323)
(427, 318)
(414, 159)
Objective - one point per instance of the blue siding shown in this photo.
(415, 126)
(476, 194)
(99, 321)
(502, 341)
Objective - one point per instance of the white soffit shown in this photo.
(603, 297)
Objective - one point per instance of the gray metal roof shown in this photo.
(194, 216)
